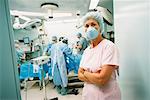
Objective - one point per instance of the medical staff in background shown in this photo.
(20, 54)
(81, 44)
(47, 50)
(58, 63)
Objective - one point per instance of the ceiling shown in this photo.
(67, 6)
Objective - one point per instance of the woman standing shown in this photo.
(99, 62)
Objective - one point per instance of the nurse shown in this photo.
(99, 62)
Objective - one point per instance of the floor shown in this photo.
(34, 93)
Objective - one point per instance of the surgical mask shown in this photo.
(91, 33)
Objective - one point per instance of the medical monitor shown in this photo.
(26, 40)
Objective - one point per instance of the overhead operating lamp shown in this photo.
(49, 7)
(28, 24)
(16, 24)
(107, 15)
(93, 4)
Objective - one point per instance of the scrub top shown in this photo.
(93, 58)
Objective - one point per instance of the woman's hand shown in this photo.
(81, 76)
(102, 76)
(82, 70)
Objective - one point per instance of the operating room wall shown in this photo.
(132, 29)
(66, 29)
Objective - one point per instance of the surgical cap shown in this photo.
(97, 17)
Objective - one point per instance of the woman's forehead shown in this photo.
(91, 20)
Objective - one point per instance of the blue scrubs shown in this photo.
(62, 62)
(59, 70)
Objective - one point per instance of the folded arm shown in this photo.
(81, 75)
(100, 77)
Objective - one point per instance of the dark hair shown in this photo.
(65, 41)
(61, 38)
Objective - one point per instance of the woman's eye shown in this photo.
(86, 26)
(92, 24)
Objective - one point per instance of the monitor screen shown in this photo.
(26, 40)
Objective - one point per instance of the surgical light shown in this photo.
(93, 4)
(107, 15)
(49, 7)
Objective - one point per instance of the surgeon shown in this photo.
(58, 62)
(47, 51)
(62, 63)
